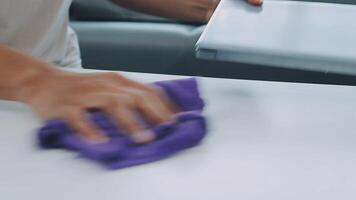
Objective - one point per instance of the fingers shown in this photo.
(123, 81)
(212, 7)
(163, 98)
(150, 105)
(128, 83)
(128, 121)
(256, 2)
(153, 109)
(121, 98)
(122, 108)
(79, 121)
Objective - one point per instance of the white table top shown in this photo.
(270, 141)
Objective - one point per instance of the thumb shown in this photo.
(256, 2)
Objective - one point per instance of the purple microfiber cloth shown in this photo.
(186, 130)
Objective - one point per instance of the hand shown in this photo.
(256, 2)
(212, 4)
(69, 96)
(185, 10)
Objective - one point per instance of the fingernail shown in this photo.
(143, 136)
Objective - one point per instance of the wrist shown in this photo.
(33, 83)
(20, 72)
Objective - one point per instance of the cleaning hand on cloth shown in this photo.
(186, 130)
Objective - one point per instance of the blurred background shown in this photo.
(115, 38)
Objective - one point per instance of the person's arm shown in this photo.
(18, 72)
(55, 94)
(186, 10)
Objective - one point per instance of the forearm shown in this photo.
(19, 72)
(195, 11)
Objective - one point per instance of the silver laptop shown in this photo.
(291, 34)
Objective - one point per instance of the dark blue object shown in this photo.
(185, 131)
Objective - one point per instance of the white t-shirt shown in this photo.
(40, 28)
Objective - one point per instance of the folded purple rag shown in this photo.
(185, 131)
